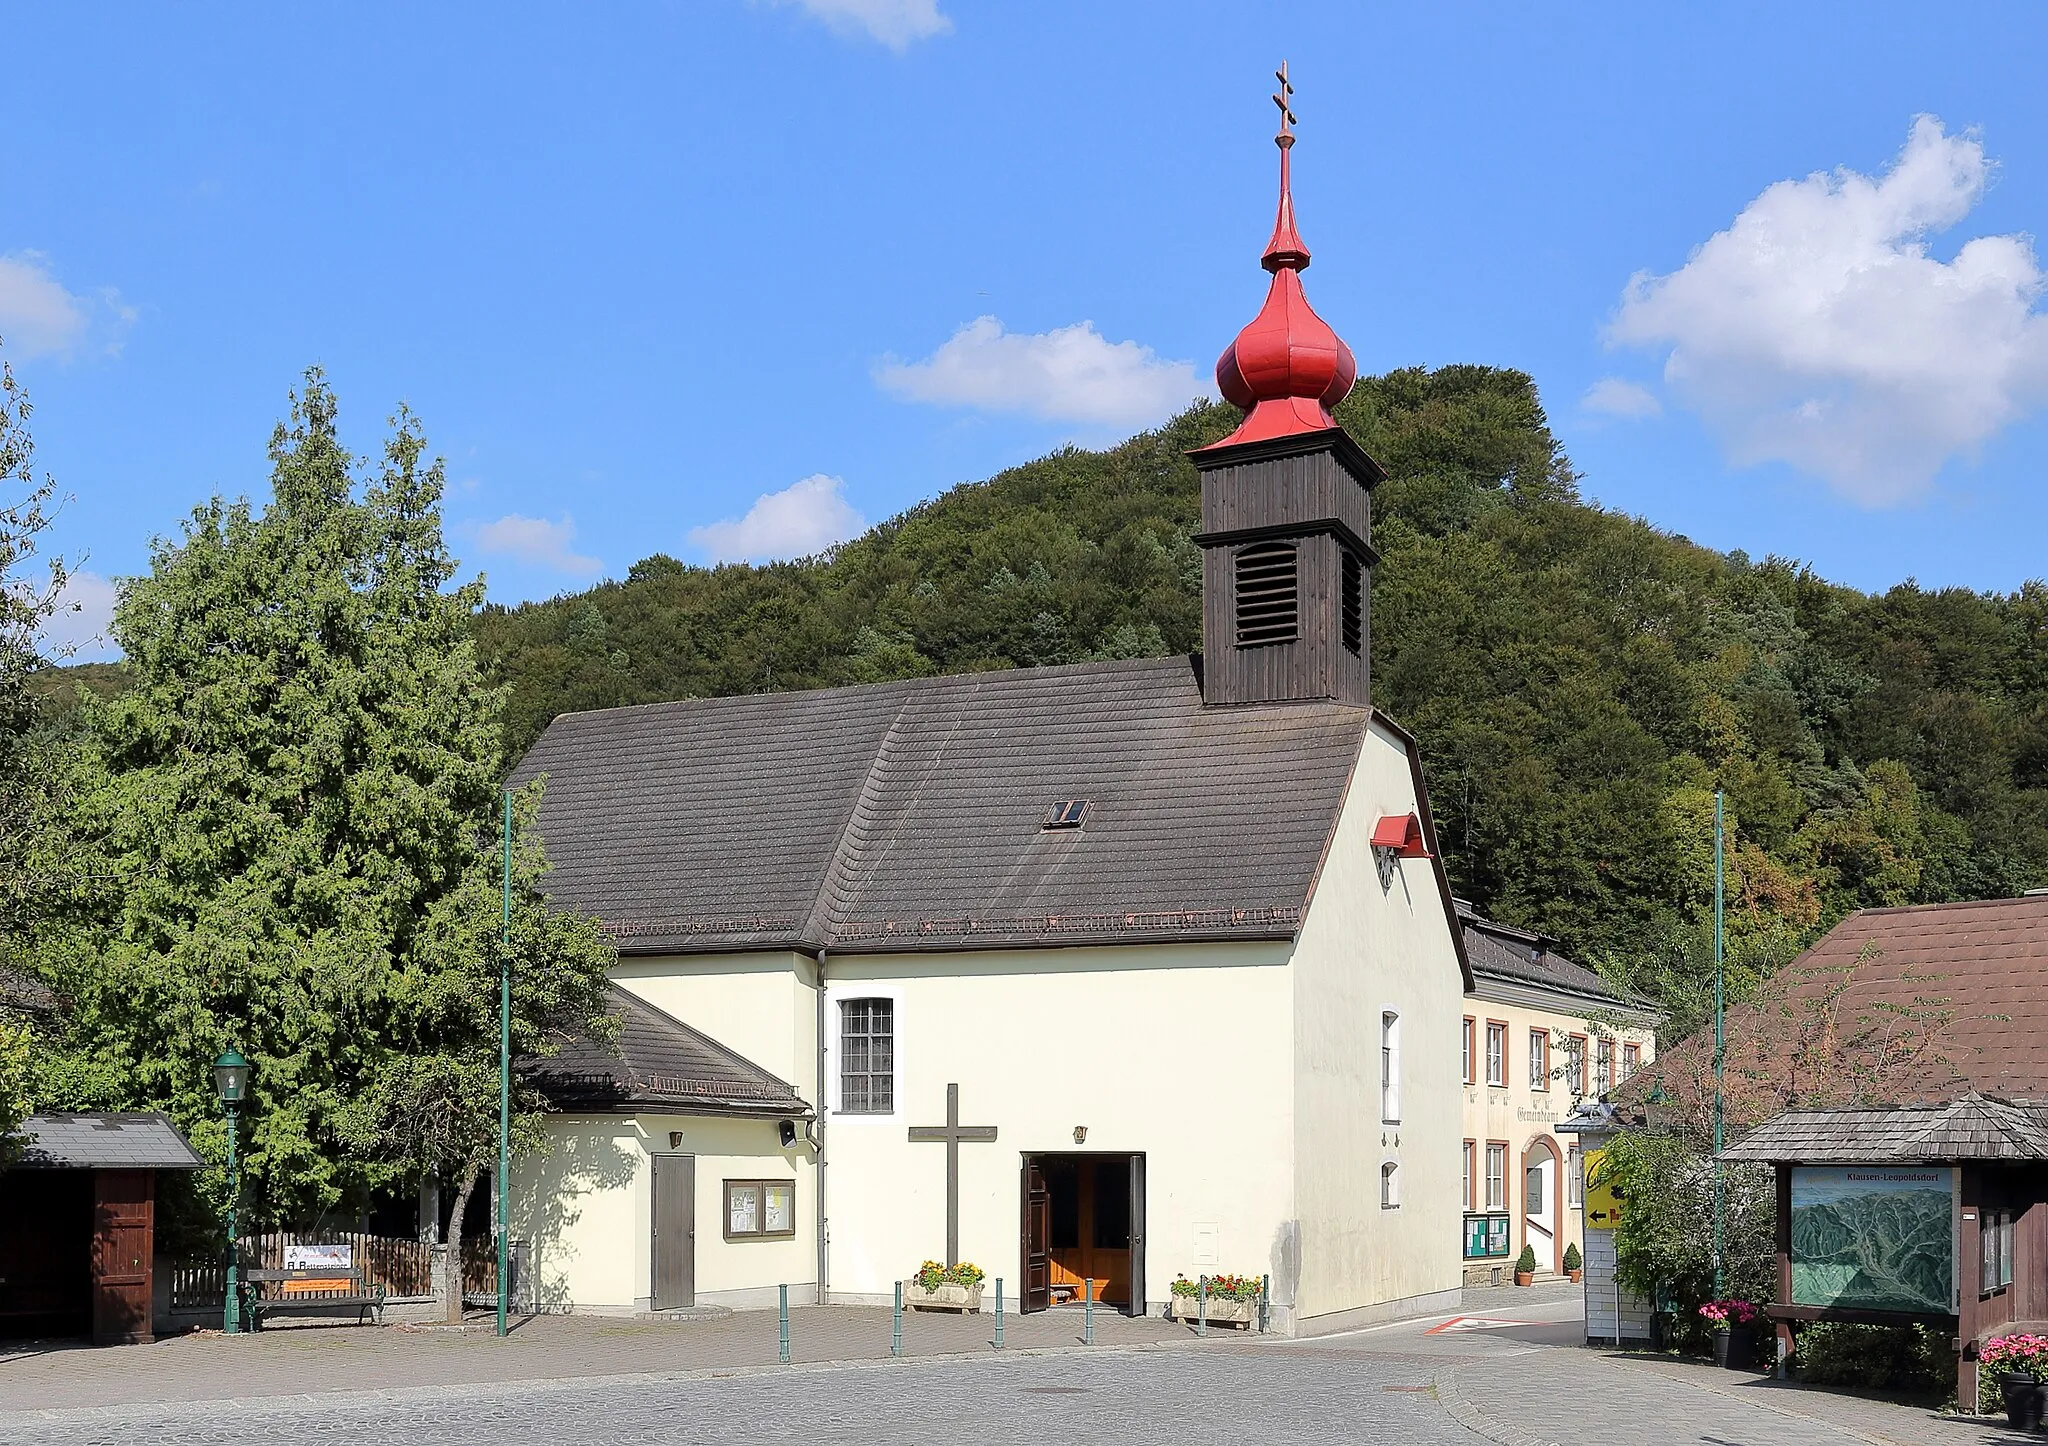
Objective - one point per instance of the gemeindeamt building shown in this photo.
(1098, 974)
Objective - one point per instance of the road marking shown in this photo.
(1458, 1324)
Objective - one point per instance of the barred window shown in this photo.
(1267, 606)
(867, 1056)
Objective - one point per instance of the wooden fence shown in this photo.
(403, 1267)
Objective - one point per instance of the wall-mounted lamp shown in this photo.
(675, 1139)
(1080, 1134)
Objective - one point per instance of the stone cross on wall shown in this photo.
(953, 1133)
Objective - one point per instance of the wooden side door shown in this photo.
(1137, 1305)
(123, 1240)
(1037, 1232)
(674, 1213)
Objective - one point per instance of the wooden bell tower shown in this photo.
(1286, 533)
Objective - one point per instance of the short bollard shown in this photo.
(1265, 1286)
(896, 1323)
(1088, 1313)
(1202, 1310)
(782, 1320)
(999, 1312)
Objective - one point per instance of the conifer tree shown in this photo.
(297, 798)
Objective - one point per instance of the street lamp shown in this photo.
(231, 1084)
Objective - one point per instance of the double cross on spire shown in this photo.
(1284, 98)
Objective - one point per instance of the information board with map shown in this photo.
(1870, 1237)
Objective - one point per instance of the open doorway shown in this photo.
(1539, 1202)
(1084, 1222)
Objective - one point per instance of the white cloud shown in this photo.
(1613, 397)
(1072, 374)
(81, 629)
(537, 541)
(896, 23)
(801, 520)
(38, 317)
(1816, 330)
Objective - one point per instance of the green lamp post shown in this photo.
(231, 1084)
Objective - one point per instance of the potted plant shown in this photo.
(2017, 1362)
(945, 1287)
(1233, 1299)
(1733, 1323)
(1525, 1267)
(1574, 1263)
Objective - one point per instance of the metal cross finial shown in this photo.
(1283, 98)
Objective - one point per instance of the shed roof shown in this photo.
(660, 1062)
(1972, 1127)
(19, 991)
(909, 815)
(131, 1141)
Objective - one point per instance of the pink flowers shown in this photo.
(1722, 1315)
(2020, 1354)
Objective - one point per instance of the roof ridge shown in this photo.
(846, 843)
(2039, 899)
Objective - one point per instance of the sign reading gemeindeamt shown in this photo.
(1869, 1237)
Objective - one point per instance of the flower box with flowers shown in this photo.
(1734, 1324)
(1233, 1300)
(945, 1287)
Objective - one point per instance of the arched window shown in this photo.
(1390, 1185)
(1268, 607)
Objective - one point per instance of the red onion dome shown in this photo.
(1287, 368)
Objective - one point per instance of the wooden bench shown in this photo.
(315, 1290)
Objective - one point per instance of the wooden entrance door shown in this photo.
(674, 1212)
(122, 1244)
(1037, 1232)
(1091, 1226)
(1137, 1294)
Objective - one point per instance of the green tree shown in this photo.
(296, 798)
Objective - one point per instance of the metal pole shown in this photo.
(1202, 1309)
(999, 1312)
(896, 1323)
(1720, 1052)
(1088, 1313)
(1265, 1287)
(232, 1310)
(782, 1321)
(505, 1079)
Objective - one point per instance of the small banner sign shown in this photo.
(319, 1257)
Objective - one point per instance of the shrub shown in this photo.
(1875, 1357)
(1526, 1263)
(1572, 1259)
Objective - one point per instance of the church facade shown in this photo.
(1093, 976)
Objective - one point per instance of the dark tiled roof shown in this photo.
(907, 815)
(1973, 1127)
(660, 1061)
(105, 1142)
(1504, 952)
(18, 991)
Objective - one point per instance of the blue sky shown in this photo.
(723, 278)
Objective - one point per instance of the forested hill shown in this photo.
(1580, 681)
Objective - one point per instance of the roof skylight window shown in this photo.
(1067, 814)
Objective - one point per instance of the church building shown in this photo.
(1093, 975)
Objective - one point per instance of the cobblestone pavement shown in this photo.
(1184, 1395)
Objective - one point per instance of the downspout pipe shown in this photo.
(818, 1123)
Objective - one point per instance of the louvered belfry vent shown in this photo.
(1268, 594)
(1353, 605)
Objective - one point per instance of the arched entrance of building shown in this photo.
(1540, 1180)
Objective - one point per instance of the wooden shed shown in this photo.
(78, 1224)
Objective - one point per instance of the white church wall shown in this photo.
(1366, 951)
(1181, 1052)
(586, 1208)
(760, 1004)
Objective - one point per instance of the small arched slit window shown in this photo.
(1268, 594)
(1390, 1185)
(1390, 1068)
